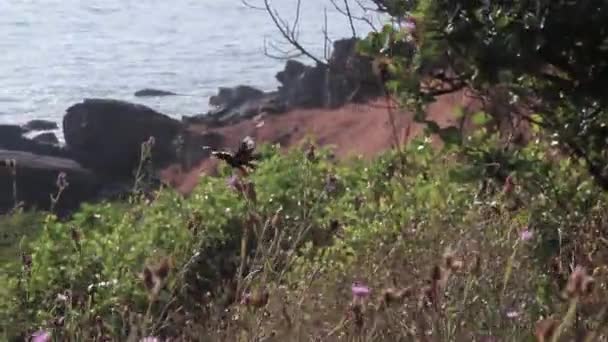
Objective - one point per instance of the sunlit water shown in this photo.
(54, 53)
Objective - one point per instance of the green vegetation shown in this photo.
(441, 255)
(481, 240)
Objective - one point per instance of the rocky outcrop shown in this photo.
(33, 179)
(11, 138)
(346, 77)
(148, 92)
(107, 136)
(232, 105)
(9, 133)
(40, 125)
(46, 138)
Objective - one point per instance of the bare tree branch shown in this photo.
(350, 18)
(246, 3)
(348, 13)
(289, 34)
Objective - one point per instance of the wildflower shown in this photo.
(512, 314)
(150, 339)
(526, 235)
(359, 290)
(62, 183)
(545, 329)
(579, 283)
(41, 336)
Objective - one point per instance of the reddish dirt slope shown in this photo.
(354, 129)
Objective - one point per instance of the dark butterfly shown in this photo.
(243, 159)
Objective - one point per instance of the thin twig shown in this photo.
(287, 33)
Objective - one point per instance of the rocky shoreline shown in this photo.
(104, 137)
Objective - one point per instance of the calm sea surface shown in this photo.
(56, 52)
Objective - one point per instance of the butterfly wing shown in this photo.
(225, 156)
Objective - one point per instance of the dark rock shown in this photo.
(36, 180)
(346, 77)
(107, 136)
(307, 90)
(238, 103)
(40, 125)
(153, 92)
(46, 138)
(351, 76)
(11, 132)
(232, 97)
(11, 138)
(293, 69)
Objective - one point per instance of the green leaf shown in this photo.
(450, 135)
(481, 118)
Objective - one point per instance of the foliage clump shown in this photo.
(424, 243)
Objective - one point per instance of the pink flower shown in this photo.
(359, 290)
(150, 339)
(41, 336)
(526, 235)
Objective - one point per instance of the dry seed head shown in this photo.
(163, 268)
(450, 261)
(258, 299)
(148, 278)
(545, 329)
(436, 273)
(391, 295)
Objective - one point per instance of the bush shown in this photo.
(273, 255)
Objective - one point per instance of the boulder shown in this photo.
(231, 97)
(293, 69)
(148, 92)
(10, 133)
(235, 104)
(46, 138)
(11, 138)
(35, 180)
(106, 136)
(40, 125)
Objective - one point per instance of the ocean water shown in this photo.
(54, 53)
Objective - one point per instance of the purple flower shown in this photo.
(234, 183)
(410, 25)
(526, 235)
(512, 314)
(41, 336)
(359, 290)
